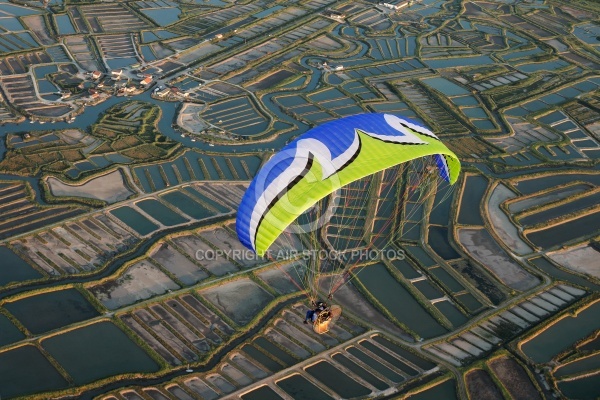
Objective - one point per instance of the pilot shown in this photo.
(312, 315)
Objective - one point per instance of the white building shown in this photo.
(395, 7)
(164, 92)
(116, 74)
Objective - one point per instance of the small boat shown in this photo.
(211, 145)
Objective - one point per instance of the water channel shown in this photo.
(169, 112)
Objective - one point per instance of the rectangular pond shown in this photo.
(420, 255)
(582, 226)
(428, 290)
(542, 66)
(65, 27)
(262, 393)
(473, 192)
(585, 364)
(300, 388)
(115, 63)
(465, 101)
(376, 365)
(387, 357)
(141, 175)
(532, 185)
(561, 210)
(469, 301)
(41, 72)
(557, 273)
(163, 16)
(405, 268)
(475, 112)
(445, 86)
(548, 197)
(15, 269)
(445, 390)
(337, 380)
(9, 333)
(442, 205)
(405, 354)
(206, 200)
(587, 387)
(359, 371)
(147, 53)
(47, 311)
(186, 204)
(11, 24)
(152, 173)
(167, 171)
(45, 86)
(446, 279)
(161, 212)
(256, 355)
(450, 311)
(273, 350)
(16, 377)
(98, 351)
(562, 334)
(267, 12)
(439, 242)
(398, 301)
(459, 62)
(134, 220)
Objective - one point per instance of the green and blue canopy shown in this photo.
(325, 159)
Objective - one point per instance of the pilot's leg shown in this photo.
(309, 316)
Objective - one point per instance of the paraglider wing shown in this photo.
(326, 158)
